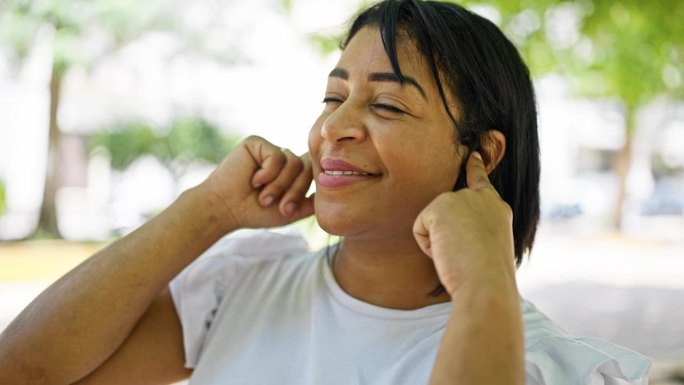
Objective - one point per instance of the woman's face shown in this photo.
(380, 151)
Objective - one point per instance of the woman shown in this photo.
(425, 160)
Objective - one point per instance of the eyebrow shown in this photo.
(380, 77)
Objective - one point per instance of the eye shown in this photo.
(332, 100)
(387, 107)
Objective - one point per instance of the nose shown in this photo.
(344, 124)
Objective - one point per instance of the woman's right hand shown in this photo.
(260, 185)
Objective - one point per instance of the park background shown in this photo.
(110, 108)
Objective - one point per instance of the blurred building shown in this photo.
(579, 140)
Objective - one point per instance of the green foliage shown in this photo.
(286, 5)
(630, 50)
(638, 45)
(126, 143)
(3, 199)
(185, 140)
(326, 44)
(195, 138)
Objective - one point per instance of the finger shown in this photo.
(422, 234)
(274, 189)
(476, 173)
(304, 209)
(296, 193)
(270, 159)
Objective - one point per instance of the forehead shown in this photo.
(365, 53)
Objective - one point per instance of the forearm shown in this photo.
(483, 342)
(80, 320)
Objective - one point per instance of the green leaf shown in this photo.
(186, 140)
(126, 142)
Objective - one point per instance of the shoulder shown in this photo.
(554, 357)
(240, 250)
(258, 244)
(204, 282)
(199, 290)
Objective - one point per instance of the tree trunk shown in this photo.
(621, 166)
(47, 221)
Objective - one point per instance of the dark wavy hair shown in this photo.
(471, 59)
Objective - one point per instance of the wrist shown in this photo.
(211, 214)
(490, 271)
(486, 295)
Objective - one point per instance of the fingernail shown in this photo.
(268, 200)
(290, 208)
(477, 155)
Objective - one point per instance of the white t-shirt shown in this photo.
(259, 308)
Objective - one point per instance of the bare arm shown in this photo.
(152, 354)
(468, 235)
(483, 340)
(78, 323)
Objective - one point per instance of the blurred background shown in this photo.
(110, 108)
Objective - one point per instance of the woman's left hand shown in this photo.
(468, 233)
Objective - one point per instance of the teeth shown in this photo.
(336, 173)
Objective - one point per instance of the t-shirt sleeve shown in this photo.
(198, 290)
(555, 358)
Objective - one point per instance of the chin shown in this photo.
(336, 219)
(341, 222)
(333, 224)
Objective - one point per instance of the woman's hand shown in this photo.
(110, 306)
(468, 233)
(260, 185)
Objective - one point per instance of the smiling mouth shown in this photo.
(345, 173)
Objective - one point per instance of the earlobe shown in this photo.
(493, 148)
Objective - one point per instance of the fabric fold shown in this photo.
(561, 360)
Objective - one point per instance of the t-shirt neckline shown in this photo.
(359, 306)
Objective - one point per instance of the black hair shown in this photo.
(485, 74)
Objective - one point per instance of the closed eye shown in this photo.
(329, 100)
(388, 108)
(376, 106)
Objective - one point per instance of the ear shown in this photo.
(493, 147)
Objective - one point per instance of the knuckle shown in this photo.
(443, 199)
(278, 158)
(253, 139)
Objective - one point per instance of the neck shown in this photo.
(393, 273)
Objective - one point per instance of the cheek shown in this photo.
(442, 173)
(431, 164)
(315, 137)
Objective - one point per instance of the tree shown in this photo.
(185, 141)
(81, 31)
(629, 50)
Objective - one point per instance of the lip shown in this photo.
(340, 165)
(333, 181)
